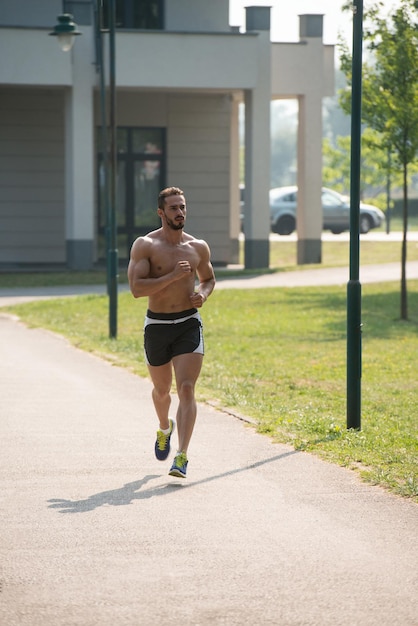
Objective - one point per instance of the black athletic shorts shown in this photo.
(169, 334)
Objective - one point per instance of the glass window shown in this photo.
(122, 140)
(121, 194)
(140, 177)
(102, 193)
(147, 141)
(148, 14)
(140, 14)
(147, 188)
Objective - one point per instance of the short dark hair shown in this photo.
(165, 193)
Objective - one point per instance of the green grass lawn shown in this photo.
(278, 356)
(396, 224)
(337, 254)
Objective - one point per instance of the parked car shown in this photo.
(336, 212)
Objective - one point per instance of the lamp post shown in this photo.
(65, 31)
(354, 286)
(112, 251)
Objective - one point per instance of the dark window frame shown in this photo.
(128, 232)
(136, 14)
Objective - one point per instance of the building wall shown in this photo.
(198, 155)
(32, 189)
(186, 60)
(32, 221)
(139, 108)
(26, 13)
(198, 148)
(198, 15)
(180, 15)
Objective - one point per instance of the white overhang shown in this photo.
(172, 60)
(186, 60)
(29, 57)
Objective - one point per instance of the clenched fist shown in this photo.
(197, 299)
(182, 268)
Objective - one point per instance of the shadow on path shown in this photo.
(132, 491)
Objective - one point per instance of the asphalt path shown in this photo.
(95, 533)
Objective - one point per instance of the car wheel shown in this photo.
(337, 231)
(285, 225)
(365, 224)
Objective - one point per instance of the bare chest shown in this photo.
(164, 258)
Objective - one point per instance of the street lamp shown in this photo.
(65, 31)
(354, 324)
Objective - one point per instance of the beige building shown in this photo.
(181, 73)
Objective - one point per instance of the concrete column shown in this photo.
(79, 157)
(257, 146)
(309, 180)
(234, 193)
(309, 177)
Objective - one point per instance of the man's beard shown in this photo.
(174, 225)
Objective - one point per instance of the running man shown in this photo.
(163, 266)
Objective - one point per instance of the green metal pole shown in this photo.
(104, 136)
(354, 285)
(112, 252)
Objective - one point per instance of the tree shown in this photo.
(374, 167)
(390, 93)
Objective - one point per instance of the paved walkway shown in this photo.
(95, 533)
(331, 276)
(300, 278)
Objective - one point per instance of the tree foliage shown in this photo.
(390, 92)
(374, 167)
(336, 169)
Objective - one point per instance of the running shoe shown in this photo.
(179, 467)
(162, 444)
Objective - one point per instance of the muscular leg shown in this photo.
(161, 378)
(187, 369)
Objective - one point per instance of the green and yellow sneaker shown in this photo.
(179, 467)
(162, 444)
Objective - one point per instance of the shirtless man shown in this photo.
(163, 266)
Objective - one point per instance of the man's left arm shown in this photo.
(206, 277)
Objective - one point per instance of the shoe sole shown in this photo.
(177, 473)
